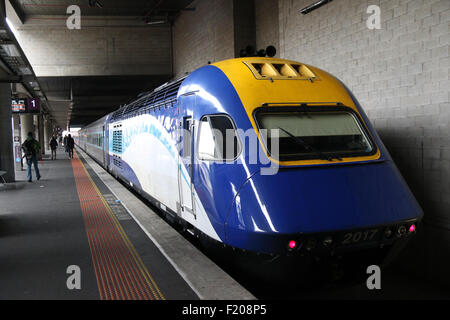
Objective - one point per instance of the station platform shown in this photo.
(78, 215)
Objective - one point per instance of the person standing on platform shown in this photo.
(31, 149)
(70, 145)
(53, 144)
(65, 144)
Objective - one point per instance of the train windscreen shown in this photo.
(313, 133)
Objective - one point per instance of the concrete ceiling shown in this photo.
(77, 98)
(142, 8)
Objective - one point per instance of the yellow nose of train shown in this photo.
(279, 82)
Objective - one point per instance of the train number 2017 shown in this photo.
(355, 237)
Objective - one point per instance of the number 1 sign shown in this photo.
(34, 105)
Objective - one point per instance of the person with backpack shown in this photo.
(31, 149)
(70, 145)
(53, 144)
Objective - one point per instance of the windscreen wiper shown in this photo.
(308, 147)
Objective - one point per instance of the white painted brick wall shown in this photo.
(206, 34)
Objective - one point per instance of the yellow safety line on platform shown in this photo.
(148, 278)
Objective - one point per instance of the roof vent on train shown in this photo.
(162, 95)
(267, 70)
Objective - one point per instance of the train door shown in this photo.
(186, 157)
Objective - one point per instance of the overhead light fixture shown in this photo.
(10, 50)
(314, 6)
(95, 3)
(156, 18)
(148, 21)
(25, 70)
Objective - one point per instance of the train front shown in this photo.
(333, 186)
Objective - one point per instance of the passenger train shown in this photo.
(336, 188)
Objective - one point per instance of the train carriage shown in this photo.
(335, 187)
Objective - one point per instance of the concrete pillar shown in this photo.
(50, 132)
(37, 133)
(41, 133)
(26, 125)
(36, 127)
(6, 135)
(47, 133)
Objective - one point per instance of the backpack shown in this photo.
(28, 148)
(53, 144)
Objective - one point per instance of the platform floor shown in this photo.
(68, 218)
(79, 215)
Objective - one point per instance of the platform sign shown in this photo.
(23, 105)
(18, 153)
(33, 105)
(19, 105)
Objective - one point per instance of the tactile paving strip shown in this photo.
(120, 272)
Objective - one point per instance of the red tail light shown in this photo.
(292, 244)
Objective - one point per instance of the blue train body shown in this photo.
(349, 202)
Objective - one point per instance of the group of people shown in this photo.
(69, 144)
(31, 149)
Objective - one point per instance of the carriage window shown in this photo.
(187, 122)
(217, 139)
(314, 133)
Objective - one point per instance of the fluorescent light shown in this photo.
(155, 22)
(25, 70)
(10, 50)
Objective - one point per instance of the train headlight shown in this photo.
(401, 231)
(327, 241)
(388, 233)
(310, 244)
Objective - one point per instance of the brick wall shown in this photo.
(400, 74)
(95, 50)
(267, 27)
(206, 34)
